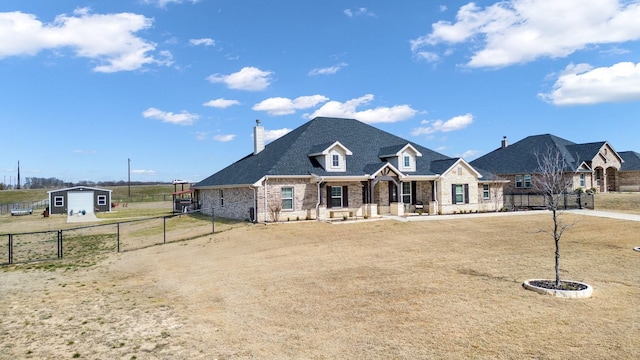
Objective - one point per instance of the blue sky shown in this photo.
(176, 85)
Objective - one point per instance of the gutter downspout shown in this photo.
(255, 204)
(319, 180)
(435, 197)
(265, 198)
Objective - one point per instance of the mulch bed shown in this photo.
(564, 285)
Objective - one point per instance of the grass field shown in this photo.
(135, 226)
(623, 202)
(368, 290)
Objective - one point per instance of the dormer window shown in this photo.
(333, 157)
(335, 160)
(401, 156)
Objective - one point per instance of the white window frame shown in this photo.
(582, 180)
(486, 193)
(336, 196)
(519, 182)
(102, 200)
(58, 201)
(406, 193)
(527, 181)
(287, 199)
(335, 161)
(407, 161)
(460, 194)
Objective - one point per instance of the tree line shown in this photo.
(53, 183)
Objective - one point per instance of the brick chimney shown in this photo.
(258, 138)
(505, 142)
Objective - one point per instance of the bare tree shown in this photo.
(275, 207)
(552, 182)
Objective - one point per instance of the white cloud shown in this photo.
(107, 39)
(204, 41)
(270, 135)
(348, 109)
(224, 138)
(183, 118)
(469, 154)
(359, 12)
(201, 135)
(221, 103)
(453, 124)
(248, 78)
(581, 84)
(519, 31)
(328, 70)
(428, 56)
(284, 106)
(143, 172)
(164, 3)
(443, 8)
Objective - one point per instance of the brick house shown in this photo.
(334, 168)
(629, 179)
(594, 165)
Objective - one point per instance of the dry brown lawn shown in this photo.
(445, 289)
(621, 202)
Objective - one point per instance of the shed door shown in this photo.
(80, 200)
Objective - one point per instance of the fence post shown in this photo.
(10, 249)
(164, 229)
(60, 248)
(118, 236)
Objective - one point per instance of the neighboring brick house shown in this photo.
(629, 178)
(592, 165)
(333, 167)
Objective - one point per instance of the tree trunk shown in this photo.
(556, 237)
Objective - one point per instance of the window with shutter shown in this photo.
(336, 196)
(406, 193)
(460, 193)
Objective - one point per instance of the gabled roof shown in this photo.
(631, 161)
(79, 188)
(396, 150)
(288, 155)
(520, 157)
(323, 149)
(443, 163)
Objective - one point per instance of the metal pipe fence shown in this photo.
(142, 198)
(35, 205)
(538, 201)
(86, 241)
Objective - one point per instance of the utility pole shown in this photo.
(129, 175)
(18, 174)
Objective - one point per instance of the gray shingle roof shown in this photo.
(631, 161)
(520, 157)
(288, 155)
